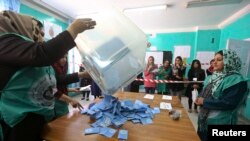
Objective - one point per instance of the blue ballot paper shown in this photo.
(105, 121)
(137, 117)
(123, 135)
(118, 122)
(98, 115)
(156, 110)
(103, 130)
(91, 104)
(136, 121)
(142, 115)
(84, 111)
(108, 132)
(91, 112)
(89, 131)
(146, 120)
(127, 104)
(95, 124)
(112, 112)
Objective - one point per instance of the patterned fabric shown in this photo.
(206, 93)
(232, 64)
(11, 22)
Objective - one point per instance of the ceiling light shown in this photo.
(146, 8)
(201, 3)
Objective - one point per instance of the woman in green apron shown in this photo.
(223, 93)
(28, 85)
(164, 73)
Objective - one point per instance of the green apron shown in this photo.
(30, 90)
(226, 116)
(61, 108)
(163, 87)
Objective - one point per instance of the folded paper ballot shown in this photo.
(112, 112)
(146, 120)
(156, 110)
(136, 121)
(86, 88)
(123, 135)
(89, 131)
(103, 130)
(108, 132)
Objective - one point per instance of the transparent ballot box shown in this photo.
(114, 51)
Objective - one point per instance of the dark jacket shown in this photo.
(84, 81)
(181, 72)
(135, 85)
(200, 75)
(17, 53)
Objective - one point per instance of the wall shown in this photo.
(24, 9)
(202, 40)
(167, 41)
(208, 40)
(239, 29)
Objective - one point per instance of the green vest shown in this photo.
(61, 108)
(163, 87)
(30, 90)
(226, 116)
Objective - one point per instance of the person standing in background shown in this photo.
(164, 73)
(194, 74)
(84, 82)
(63, 79)
(224, 93)
(210, 70)
(178, 72)
(150, 75)
(95, 90)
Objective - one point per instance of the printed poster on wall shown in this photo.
(183, 51)
(51, 29)
(205, 57)
(158, 56)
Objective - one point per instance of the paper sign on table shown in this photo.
(149, 96)
(167, 97)
(165, 105)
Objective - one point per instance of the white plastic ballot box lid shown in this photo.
(114, 51)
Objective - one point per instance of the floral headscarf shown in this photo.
(232, 64)
(11, 22)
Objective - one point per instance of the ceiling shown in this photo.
(175, 17)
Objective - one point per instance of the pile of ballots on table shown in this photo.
(112, 112)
